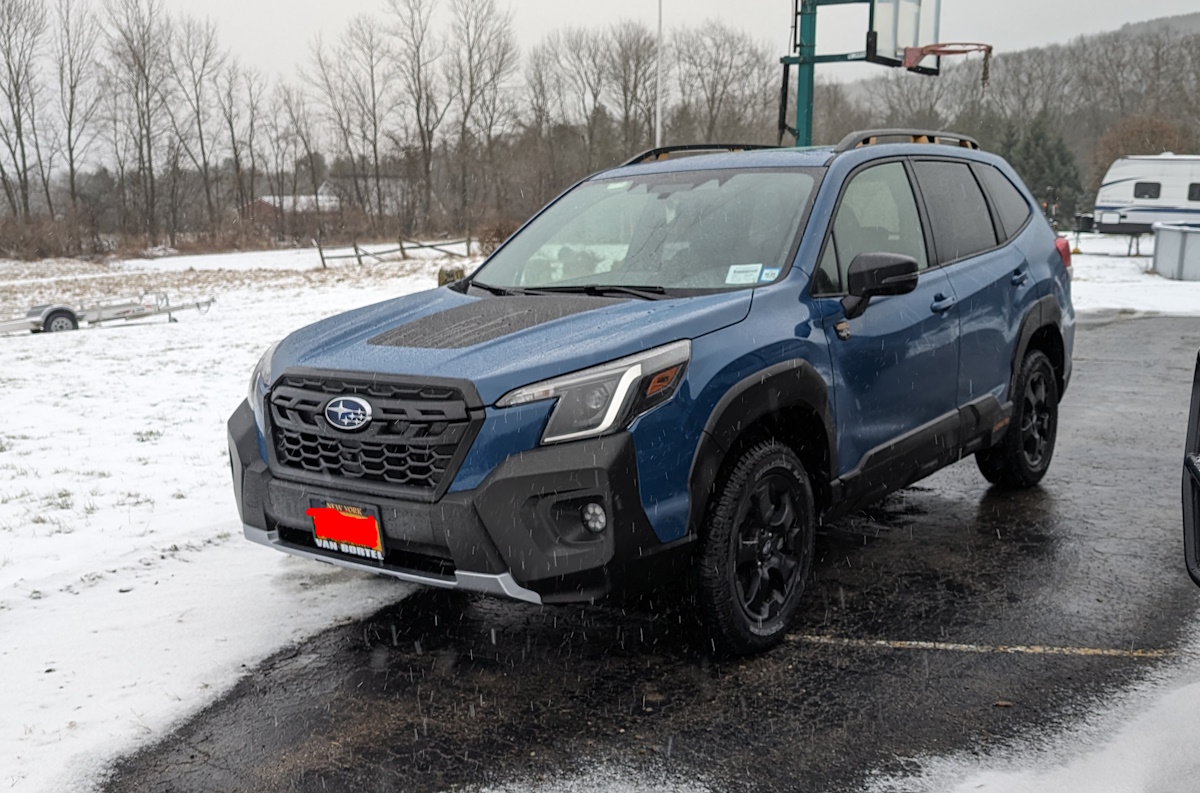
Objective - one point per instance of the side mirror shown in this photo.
(877, 274)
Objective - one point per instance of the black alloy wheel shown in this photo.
(757, 550)
(1037, 419)
(1023, 455)
(767, 557)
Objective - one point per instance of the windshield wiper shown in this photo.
(499, 291)
(600, 290)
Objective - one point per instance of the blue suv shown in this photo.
(683, 365)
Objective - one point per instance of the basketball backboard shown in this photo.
(899, 24)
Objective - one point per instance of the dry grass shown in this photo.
(25, 284)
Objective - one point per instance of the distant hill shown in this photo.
(1184, 23)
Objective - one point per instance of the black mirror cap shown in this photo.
(877, 274)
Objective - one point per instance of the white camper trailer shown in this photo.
(1138, 192)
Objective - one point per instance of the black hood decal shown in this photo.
(483, 320)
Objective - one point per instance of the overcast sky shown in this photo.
(274, 35)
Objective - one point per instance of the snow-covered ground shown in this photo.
(128, 599)
(1105, 279)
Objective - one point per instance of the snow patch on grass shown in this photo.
(129, 599)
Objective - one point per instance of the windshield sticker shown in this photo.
(769, 274)
(743, 274)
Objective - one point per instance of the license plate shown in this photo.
(350, 529)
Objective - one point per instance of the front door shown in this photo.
(895, 366)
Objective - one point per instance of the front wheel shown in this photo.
(757, 550)
(1022, 458)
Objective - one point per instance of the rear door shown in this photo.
(990, 277)
(895, 367)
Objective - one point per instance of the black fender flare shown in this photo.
(1046, 312)
(789, 384)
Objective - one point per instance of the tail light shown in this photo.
(1064, 251)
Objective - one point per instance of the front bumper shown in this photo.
(518, 534)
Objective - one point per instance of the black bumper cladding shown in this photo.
(1191, 484)
(519, 534)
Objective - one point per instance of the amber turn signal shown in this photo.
(662, 381)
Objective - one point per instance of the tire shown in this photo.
(757, 550)
(1022, 458)
(60, 321)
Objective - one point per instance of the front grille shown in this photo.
(412, 443)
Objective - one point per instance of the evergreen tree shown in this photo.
(1040, 156)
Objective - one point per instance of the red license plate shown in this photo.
(350, 529)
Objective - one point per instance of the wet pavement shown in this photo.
(445, 690)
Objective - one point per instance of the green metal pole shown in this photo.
(806, 54)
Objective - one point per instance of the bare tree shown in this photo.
(632, 57)
(417, 52)
(195, 60)
(329, 78)
(255, 86)
(543, 91)
(369, 65)
(22, 25)
(139, 36)
(79, 97)
(279, 152)
(582, 58)
(229, 100)
(726, 80)
(302, 128)
(483, 59)
(240, 99)
(912, 100)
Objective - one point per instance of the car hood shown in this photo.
(501, 343)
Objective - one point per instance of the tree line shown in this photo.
(127, 125)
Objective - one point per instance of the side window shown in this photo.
(828, 279)
(958, 213)
(1006, 199)
(878, 214)
(1194, 192)
(1147, 190)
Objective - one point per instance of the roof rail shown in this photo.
(665, 152)
(870, 137)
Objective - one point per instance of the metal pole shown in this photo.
(806, 52)
(658, 97)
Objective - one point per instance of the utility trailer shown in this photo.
(59, 317)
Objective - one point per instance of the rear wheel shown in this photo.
(757, 550)
(60, 321)
(1022, 458)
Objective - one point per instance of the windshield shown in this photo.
(683, 230)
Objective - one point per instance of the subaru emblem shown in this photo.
(348, 413)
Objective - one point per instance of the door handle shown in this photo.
(942, 303)
(1020, 277)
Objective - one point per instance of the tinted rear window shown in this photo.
(1147, 190)
(1006, 199)
(958, 213)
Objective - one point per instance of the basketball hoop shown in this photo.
(914, 55)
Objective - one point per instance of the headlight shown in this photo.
(262, 374)
(606, 398)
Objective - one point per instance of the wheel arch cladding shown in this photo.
(1041, 329)
(788, 401)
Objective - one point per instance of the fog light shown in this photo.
(595, 519)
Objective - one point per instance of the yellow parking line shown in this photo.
(1001, 649)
